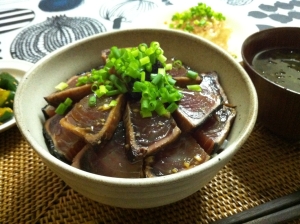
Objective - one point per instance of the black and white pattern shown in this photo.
(12, 19)
(279, 12)
(238, 2)
(27, 32)
(38, 40)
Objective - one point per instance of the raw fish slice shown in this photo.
(72, 91)
(182, 154)
(146, 136)
(48, 111)
(61, 143)
(210, 85)
(213, 132)
(110, 159)
(194, 108)
(94, 123)
(180, 75)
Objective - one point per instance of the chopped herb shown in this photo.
(62, 107)
(126, 70)
(191, 74)
(194, 87)
(197, 16)
(61, 86)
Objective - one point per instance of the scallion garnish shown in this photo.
(198, 16)
(62, 107)
(194, 87)
(61, 86)
(92, 101)
(129, 70)
(191, 74)
(113, 103)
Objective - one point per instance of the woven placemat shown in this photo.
(265, 168)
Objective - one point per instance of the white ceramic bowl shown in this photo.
(85, 54)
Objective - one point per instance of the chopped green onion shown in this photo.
(194, 87)
(159, 51)
(82, 80)
(139, 86)
(143, 47)
(68, 102)
(129, 68)
(154, 44)
(146, 113)
(191, 74)
(157, 79)
(172, 107)
(113, 103)
(118, 83)
(161, 71)
(171, 80)
(62, 107)
(149, 51)
(61, 86)
(113, 92)
(177, 64)
(92, 101)
(160, 109)
(152, 105)
(145, 60)
(168, 66)
(161, 58)
(145, 104)
(101, 91)
(197, 16)
(143, 76)
(115, 51)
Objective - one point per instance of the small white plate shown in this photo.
(16, 68)
(239, 22)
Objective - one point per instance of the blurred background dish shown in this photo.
(239, 24)
(16, 68)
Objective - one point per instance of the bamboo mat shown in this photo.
(265, 168)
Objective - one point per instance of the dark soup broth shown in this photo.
(281, 66)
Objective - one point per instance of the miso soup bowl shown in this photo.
(279, 108)
(85, 54)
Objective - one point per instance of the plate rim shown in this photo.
(22, 67)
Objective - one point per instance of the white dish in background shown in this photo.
(240, 24)
(16, 68)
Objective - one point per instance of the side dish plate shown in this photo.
(16, 68)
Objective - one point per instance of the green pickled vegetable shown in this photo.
(6, 114)
(6, 98)
(8, 82)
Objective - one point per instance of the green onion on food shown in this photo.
(61, 86)
(194, 87)
(197, 16)
(92, 101)
(62, 107)
(113, 103)
(129, 70)
(191, 74)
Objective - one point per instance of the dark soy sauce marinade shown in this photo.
(281, 66)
